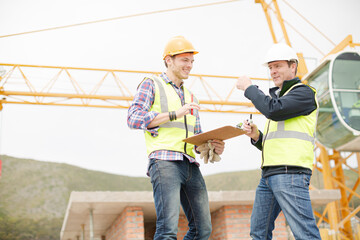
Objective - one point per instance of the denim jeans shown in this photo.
(175, 183)
(288, 193)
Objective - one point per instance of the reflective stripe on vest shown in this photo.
(165, 107)
(171, 133)
(290, 142)
(281, 133)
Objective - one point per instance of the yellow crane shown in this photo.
(109, 88)
(91, 93)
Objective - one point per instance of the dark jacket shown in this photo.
(299, 101)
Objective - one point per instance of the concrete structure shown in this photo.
(131, 215)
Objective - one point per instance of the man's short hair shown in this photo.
(165, 60)
(291, 62)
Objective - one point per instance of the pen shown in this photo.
(192, 100)
(250, 119)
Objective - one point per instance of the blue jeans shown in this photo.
(288, 193)
(175, 183)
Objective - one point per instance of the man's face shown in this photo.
(181, 65)
(280, 71)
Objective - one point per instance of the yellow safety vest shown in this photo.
(290, 142)
(171, 133)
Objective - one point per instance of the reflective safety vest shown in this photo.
(290, 142)
(171, 133)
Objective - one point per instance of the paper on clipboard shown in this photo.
(222, 133)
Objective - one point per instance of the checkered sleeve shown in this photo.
(139, 114)
(197, 128)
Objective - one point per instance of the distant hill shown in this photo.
(34, 195)
(37, 189)
(33, 192)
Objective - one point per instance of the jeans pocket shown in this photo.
(151, 164)
(153, 171)
(306, 179)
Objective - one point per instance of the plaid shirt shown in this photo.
(140, 116)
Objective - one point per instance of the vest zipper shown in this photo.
(186, 129)
(262, 152)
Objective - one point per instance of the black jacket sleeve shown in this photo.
(299, 101)
(258, 143)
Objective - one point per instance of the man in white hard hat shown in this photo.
(287, 146)
(167, 112)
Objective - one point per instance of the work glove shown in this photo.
(207, 152)
(204, 152)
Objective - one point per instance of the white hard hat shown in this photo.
(278, 52)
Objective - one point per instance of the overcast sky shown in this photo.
(232, 39)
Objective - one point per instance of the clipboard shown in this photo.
(222, 133)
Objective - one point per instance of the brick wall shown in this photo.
(281, 231)
(233, 222)
(128, 226)
(228, 223)
(182, 227)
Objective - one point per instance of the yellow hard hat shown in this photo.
(178, 45)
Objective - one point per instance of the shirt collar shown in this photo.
(167, 80)
(286, 85)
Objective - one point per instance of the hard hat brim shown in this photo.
(180, 52)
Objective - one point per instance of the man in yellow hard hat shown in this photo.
(168, 113)
(287, 146)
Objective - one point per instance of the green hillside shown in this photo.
(244, 180)
(34, 194)
(42, 189)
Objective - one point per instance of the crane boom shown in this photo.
(104, 88)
